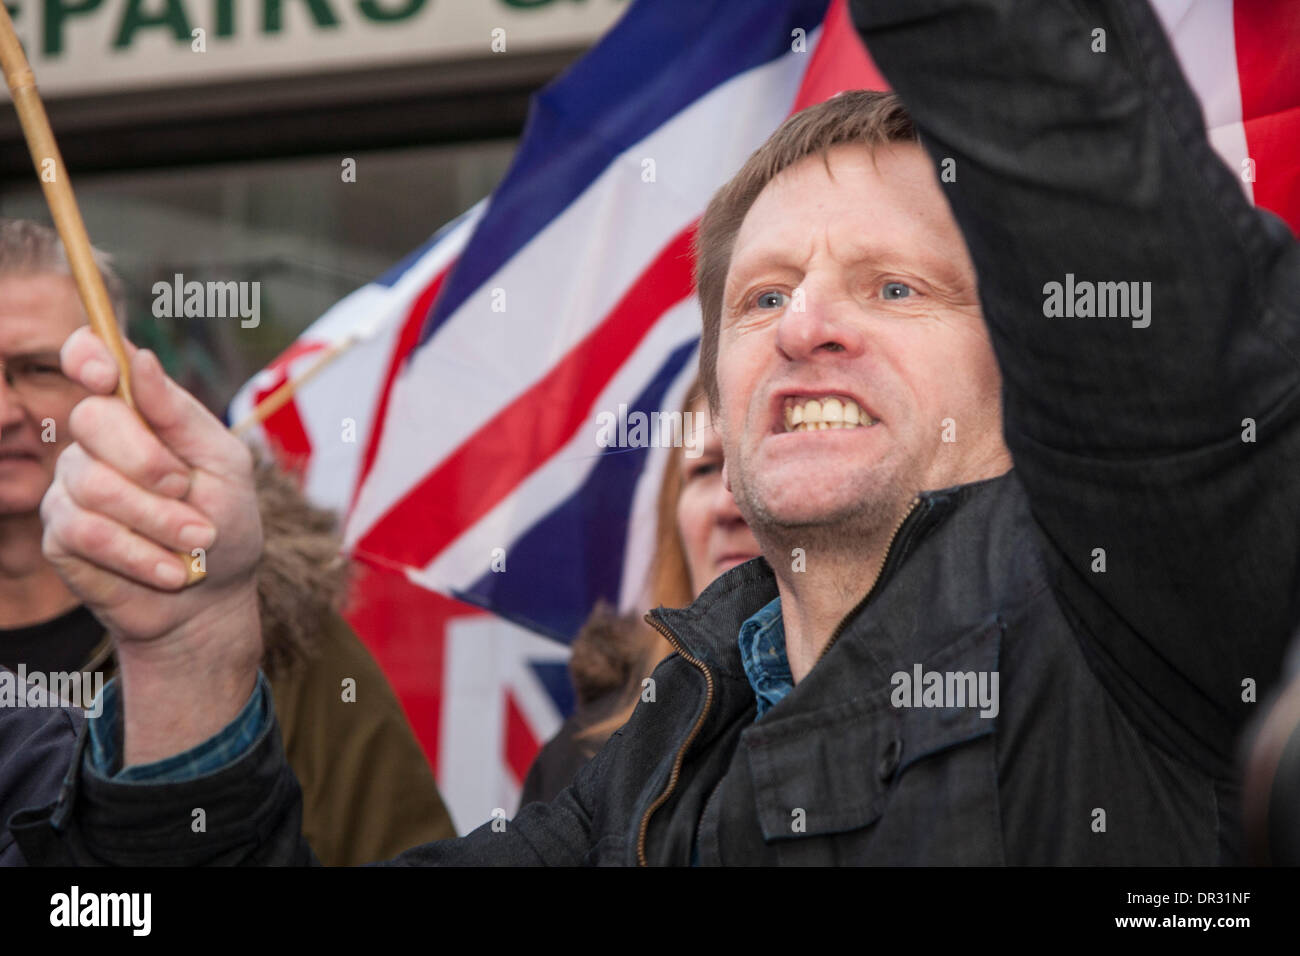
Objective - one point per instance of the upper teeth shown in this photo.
(831, 411)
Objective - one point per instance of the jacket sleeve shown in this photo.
(1159, 448)
(249, 813)
(36, 746)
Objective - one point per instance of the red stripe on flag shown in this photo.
(488, 466)
(840, 61)
(405, 628)
(285, 431)
(520, 744)
(407, 339)
(296, 350)
(1267, 34)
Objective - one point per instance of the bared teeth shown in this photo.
(819, 414)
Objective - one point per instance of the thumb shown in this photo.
(178, 419)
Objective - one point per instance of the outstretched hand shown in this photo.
(126, 498)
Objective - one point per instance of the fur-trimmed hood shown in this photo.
(608, 653)
(302, 578)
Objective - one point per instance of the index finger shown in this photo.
(87, 361)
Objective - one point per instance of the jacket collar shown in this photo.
(709, 628)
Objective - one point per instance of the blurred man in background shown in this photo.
(368, 790)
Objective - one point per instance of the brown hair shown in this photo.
(670, 572)
(862, 117)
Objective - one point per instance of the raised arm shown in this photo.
(1156, 426)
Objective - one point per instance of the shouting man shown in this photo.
(942, 658)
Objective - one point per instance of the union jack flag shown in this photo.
(457, 432)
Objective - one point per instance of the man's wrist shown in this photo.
(180, 689)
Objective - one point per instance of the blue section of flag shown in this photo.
(554, 678)
(660, 57)
(559, 568)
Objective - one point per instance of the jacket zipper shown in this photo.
(708, 678)
(681, 753)
(875, 585)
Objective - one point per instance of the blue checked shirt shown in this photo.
(762, 651)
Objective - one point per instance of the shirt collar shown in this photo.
(763, 654)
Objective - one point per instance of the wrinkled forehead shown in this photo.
(38, 312)
(856, 205)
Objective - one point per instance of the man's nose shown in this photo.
(12, 409)
(820, 319)
(725, 512)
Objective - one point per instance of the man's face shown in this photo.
(37, 313)
(854, 286)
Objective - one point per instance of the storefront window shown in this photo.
(308, 233)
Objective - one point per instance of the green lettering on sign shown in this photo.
(225, 18)
(172, 16)
(273, 15)
(373, 11)
(56, 11)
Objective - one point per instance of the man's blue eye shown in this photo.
(895, 290)
(771, 300)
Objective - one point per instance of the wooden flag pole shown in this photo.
(284, 394)
(67, 217)
(59, 197)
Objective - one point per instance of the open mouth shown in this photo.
(823, 412)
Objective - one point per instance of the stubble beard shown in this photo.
(842, 535)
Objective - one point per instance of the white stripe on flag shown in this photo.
(1202, 35)
(469, 557)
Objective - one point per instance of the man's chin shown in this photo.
(829, 507)
(16, 504)
(792, 516)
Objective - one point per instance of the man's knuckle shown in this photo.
(83, 419)
(90, 535)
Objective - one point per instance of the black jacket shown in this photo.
(36, 747)
(1121, 691)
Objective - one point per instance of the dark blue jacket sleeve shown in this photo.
(36, 747)
(246, 812)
